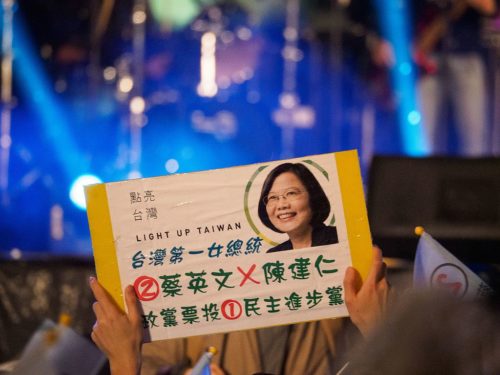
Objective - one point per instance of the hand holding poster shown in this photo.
(208, 250)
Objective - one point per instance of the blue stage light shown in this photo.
(77, 193)
(405, 68)
(38, 92)
(414, 117)
(394, 21)
(172, 165)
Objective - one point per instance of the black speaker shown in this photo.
(456, 200)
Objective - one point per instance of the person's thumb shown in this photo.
(134, 313)
(352, 284)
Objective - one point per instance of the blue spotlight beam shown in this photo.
(395, 27)
(38, 91)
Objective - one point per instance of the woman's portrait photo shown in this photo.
(292, 201)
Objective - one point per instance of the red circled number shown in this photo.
(231, 309)
(146, 288)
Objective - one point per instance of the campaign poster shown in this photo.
(233, 249)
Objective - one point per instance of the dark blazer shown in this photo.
(321, 235)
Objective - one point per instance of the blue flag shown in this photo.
(202, 367)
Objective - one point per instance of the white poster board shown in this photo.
(196, 249)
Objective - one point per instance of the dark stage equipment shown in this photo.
(456, 200)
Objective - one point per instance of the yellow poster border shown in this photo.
(356, 216)
(105, 256)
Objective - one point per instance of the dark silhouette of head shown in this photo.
(432, 332)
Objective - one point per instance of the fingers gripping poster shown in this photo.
(232, 249)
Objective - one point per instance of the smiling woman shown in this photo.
(293, 202)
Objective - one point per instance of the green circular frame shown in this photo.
(249, 186)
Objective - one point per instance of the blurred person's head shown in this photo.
(433, 333)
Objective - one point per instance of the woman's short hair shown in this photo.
(320, 206)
